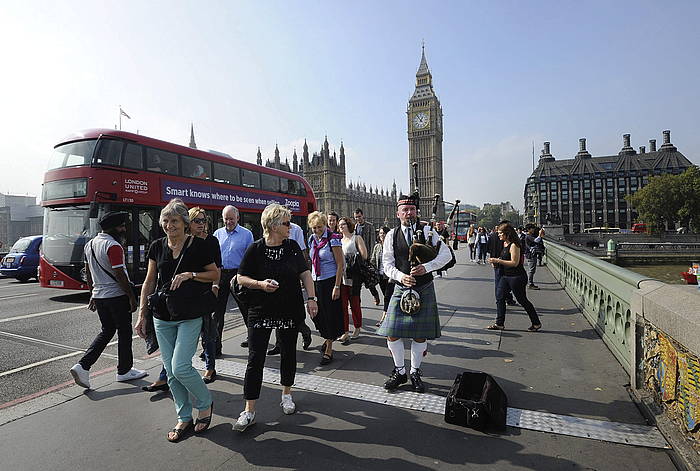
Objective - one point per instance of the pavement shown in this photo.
(563, 369)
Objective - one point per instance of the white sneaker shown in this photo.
(81, 376)
(245, 420)
(288, 406)
(131, 374)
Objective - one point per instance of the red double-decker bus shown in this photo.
(101, 170)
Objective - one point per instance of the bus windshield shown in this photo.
(71, 155)
(66, 230)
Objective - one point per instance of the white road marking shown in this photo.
(27, 316)
(60, 357)
(15, 296)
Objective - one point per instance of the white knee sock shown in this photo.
(397, 352)
(417, 350)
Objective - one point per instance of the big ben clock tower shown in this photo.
(425, 140)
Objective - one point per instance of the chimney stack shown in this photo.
(667, 146)
(642, 149)
(582, 144)
(652, 145)
(546, 148)
(626, 140)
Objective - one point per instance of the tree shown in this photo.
(489, 216)
(514, 217)
(658, 202)
(688, 187)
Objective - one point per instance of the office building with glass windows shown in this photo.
(589, 191)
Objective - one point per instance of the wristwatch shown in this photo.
(312, 298)
(194, 275)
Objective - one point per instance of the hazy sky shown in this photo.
(257, 73)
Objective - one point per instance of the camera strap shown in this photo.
(182, 253)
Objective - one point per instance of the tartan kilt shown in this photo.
(425, 324)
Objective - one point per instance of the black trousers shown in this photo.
(222, 301)
(387, 287)
(517, 285)
(497, 274)
(257, 352)
(304, 330)
(115, 317)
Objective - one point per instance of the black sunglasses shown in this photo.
(286, 223)
(199, 220)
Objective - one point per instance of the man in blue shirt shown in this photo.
(234, 239)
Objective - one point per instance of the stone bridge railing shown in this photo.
(652, 328)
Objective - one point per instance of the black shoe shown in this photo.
(307, 342)
(244, 344)
(511, 302)
(417, 383)
(395, 380)
(274, 350)
(209, 379)
(160, 387)
(531, 286)
(202, 356)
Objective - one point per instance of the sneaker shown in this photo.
(533, 286)
(245, 420)
(81, 376)
(417, 382)
(244, 344)
(288, 406)
(395, 380)
(131, 375)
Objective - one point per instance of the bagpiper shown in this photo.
(411, 252)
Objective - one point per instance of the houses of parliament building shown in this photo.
(325, 172)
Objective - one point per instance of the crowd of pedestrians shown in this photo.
(276, 281)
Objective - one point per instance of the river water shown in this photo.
(668, 273)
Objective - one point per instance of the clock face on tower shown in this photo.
(421, 120)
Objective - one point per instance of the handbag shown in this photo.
(476, 401)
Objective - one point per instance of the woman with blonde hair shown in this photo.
(471, 240)
(270, 272)
(327, 267)
(174, 261)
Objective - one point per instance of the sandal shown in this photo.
(326, 359)
(179, 433)
(534, 328)
(206, 421)
(496, 327)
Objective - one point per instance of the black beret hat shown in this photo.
(408, 199)
(113, 219)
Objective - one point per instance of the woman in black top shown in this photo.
(270, 272)
(177, 259)
(514, 278)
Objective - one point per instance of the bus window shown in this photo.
(227, 174)
(251, 221)
(251, 179)
(296, 188)
(69, 155)
(270, 182)
(108, 152)
(133, 157)
(284, 185)
(161, 161)
(195, 168)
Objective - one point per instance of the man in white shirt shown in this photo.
(418, 279)
(112, 297)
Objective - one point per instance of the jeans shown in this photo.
(178, 342)
(115, 317)
(497, 275)
(257, 352)
(481, 251)
(517, 285)
(472, 251)
(531, 269)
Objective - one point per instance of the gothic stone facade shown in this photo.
(590, 191)
(325, 172)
